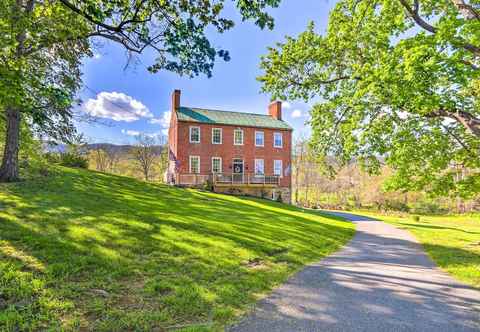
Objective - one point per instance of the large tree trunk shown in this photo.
(9, 167)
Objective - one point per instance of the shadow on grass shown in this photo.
(116, 253)
(377, 283)
(420, 225)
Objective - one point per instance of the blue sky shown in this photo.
(233, 85)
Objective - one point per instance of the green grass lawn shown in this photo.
(89, 251)
(453, 242)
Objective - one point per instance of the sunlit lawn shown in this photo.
(453, 242)
(88, 251)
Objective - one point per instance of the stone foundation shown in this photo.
(268, 193)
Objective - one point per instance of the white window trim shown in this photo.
(281, 139)
(281, 167)
(221, 135)
(221, 166)
(190, 134)
(243, 137)
(190, 164)
(263, 133)
(255, 165)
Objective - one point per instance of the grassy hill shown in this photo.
(88, 251)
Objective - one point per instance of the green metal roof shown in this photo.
(230, 118)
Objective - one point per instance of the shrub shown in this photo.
(70, 159)
(52, 158)
(279, 197)
(428, 208)
(391, 205)
(416, 218)
(208, 186)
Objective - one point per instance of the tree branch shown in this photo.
(459, 141)
(414, 14)
(468, 11)
(467, 120)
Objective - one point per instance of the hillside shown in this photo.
(118, 148)
(90, 251)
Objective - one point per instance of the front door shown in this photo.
(237, 176)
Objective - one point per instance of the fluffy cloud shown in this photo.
(130, 132)
(297, 113)
(164, 121)
(286, 105)
(135, 133)
(116, 106)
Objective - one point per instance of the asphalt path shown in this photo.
(381, 281)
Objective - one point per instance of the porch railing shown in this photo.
(254, 179)
(228, 178)
(192, 179)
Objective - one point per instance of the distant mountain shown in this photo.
(124, 148)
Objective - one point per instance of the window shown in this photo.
(194, 164)
(216, 135)
(238, 137)
(259, 138)
(194, 134)
(216, 165)
(277, 168)
(277, 140)
(259, 167)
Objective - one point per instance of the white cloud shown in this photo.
(97, 56)
(130, 132)
(164, 121)
(135, 133)
(297, 113)
(116, 106)
(286, 105)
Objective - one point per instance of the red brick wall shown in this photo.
(173, 133)
(228, 151)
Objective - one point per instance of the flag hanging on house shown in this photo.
(288, 170)
(171, 157)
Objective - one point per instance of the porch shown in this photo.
(229, 179)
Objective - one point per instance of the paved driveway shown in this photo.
(381, 281)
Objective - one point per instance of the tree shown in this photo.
(113, 157)
(299, 151)
(397, 79)
(42, 43)
(145, 154)
(100, 159)
(37, 83)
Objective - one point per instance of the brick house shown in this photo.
(243, 153)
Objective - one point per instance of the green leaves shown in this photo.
(174, 29)
(394, 85)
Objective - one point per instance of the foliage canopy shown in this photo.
(394, 80)
(42, 44)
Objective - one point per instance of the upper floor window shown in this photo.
(259, 138)
(277, 140)
(216, 135)
(259, 167)
(194, 134)
(216, 165)
(194, 164)
(277, 168)
(238, 137)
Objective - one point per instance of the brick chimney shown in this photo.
(275, 110)
(176, 99)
